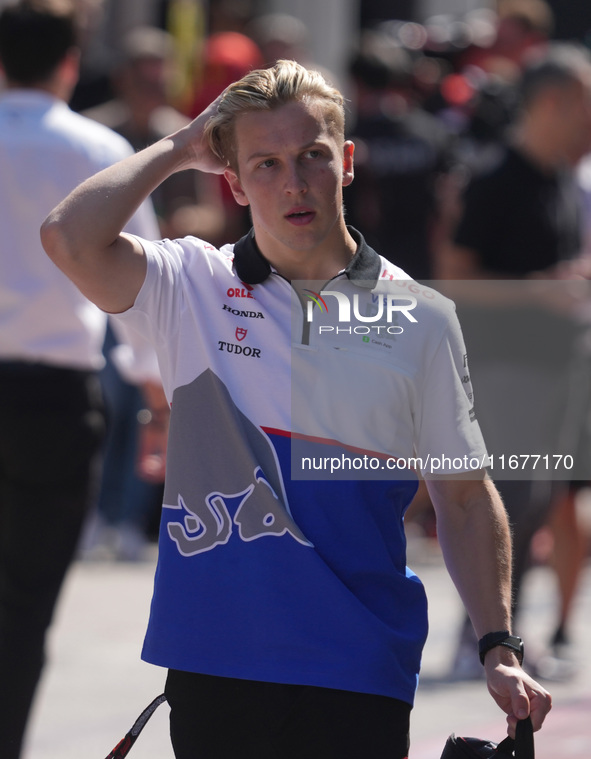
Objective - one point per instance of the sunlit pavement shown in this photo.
(95, 684)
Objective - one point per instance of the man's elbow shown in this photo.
(54, 240)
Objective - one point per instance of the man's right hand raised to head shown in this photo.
(84, 235)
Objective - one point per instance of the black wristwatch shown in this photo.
(502, 638)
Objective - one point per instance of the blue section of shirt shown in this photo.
(343, 612)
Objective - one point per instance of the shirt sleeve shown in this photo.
(155, 313)
(177, 271)
(449, 439)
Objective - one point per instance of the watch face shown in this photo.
(519, 647)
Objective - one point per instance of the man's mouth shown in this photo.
(300, 216)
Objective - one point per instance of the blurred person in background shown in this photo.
(402, 157)
(280, 36)
(141, 112)
(50, 343)
(93, 85)
(524, 28)
(226, 56)
(567, 526)
(477, 95)
(521, 220)
(129, 497)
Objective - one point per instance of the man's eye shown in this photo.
(267, 163)
(312, 154)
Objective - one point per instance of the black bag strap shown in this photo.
(124, 746)
(523, 745)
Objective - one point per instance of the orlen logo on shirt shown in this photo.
(240, 292)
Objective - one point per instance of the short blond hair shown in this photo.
(265, 89)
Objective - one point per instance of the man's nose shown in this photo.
(294, 180)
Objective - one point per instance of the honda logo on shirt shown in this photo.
(240, 333)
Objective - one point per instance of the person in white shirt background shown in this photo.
(50, 342)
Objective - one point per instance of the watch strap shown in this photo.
(500, 638)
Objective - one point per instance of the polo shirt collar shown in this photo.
(253, 268)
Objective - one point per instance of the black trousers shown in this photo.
(51, 426)
(225, 718)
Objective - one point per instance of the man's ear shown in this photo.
(348, 150)
(236, 187)
(68, 73)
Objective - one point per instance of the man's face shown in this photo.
(574, 119)
(291, 171)
(143, 83)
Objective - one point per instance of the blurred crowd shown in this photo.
(442, 115)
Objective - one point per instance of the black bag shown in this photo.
(474, 748)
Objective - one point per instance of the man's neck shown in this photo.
(319, 264)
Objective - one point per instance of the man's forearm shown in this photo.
(83, 235)
(92, 217)
(476, 544)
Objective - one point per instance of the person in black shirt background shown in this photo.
(402, 155)
(521, 220)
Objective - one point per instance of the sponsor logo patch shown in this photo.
(242, 313)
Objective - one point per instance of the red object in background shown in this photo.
(227, 56)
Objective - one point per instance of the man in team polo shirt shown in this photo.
(283, 608)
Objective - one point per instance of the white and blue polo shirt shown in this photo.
(270, 567)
